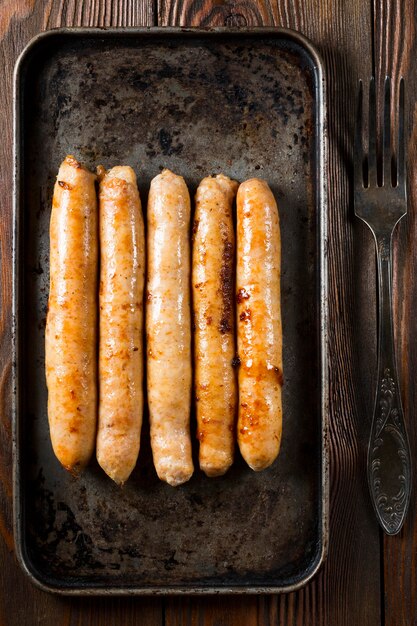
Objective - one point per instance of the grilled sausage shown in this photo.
(71, 332)
(259, 324)
(168, 327)
(122, 255)
(213, 288)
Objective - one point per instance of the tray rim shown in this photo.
(322, 265)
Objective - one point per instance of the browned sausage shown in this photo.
(213, 289)
(71, 330)
(259, 324)
(122, 254)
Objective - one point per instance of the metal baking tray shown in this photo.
(246, 103)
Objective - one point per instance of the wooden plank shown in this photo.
(20, 602)
(218, 611)
(395, 51)
(347, 590)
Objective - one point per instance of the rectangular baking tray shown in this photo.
(246, 103)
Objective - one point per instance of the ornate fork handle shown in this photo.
(389, 459)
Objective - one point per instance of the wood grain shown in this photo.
(103, 13)
(20, 602)
(395, 52)
(347, 590)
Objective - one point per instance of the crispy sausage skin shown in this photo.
(71, 325)
(122, 256)
(259, 325)
(168, 327)
(214, 346)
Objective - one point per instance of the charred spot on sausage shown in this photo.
(242, 295)
(280, 377)
(65, 185)
(245, 315)
(226, 287)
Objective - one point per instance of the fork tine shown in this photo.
(372, 177)
(386, 134)
(401, 138)
(358, 146)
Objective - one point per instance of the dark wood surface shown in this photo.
(367, 580)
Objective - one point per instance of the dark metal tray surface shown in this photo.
(247, 103)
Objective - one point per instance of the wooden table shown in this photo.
(368, 579)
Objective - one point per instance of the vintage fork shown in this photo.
(381, 202)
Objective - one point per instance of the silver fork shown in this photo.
(381, 207)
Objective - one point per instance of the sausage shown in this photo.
(259, 334)
(168, 327)
(71, 324)
(214, 345)
(122, 267)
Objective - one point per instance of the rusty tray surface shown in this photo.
(246, 103)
